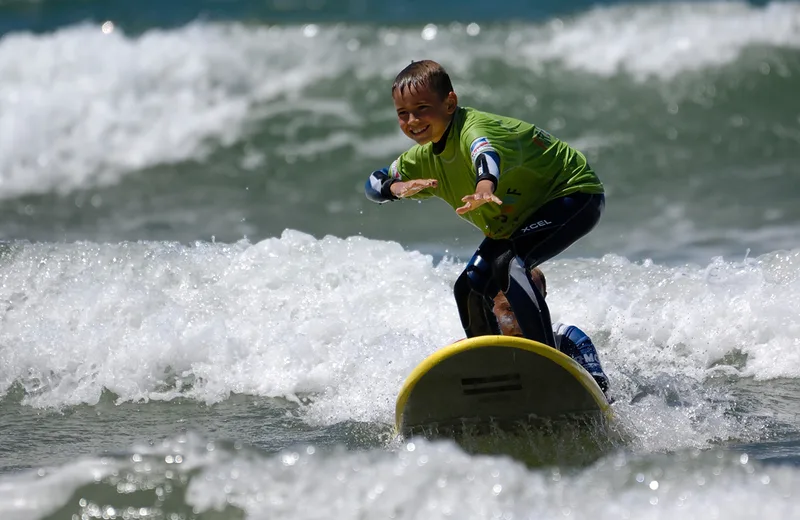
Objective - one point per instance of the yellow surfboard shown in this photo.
(498, 380)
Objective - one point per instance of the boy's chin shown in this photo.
(420, 139)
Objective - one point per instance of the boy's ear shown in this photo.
(451, 102)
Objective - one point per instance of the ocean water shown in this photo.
(201, 315)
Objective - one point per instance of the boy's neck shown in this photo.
(439, 146)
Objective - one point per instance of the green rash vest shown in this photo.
(534, 169)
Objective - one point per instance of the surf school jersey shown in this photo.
(534, 169)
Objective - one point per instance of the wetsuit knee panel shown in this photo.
(473, 302)
(478, 274)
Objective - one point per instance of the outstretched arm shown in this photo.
(381, 187)
(487, 174)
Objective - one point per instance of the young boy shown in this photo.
(529, 193)
(569, 339)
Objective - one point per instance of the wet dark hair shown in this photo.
(424, 74)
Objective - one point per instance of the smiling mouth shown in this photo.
(420, 131)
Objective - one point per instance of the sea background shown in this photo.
(202, 316)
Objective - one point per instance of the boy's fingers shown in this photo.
(475, 200)
(422, 184)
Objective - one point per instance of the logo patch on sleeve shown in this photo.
(479, 146)
(542, 139)
(394, 171)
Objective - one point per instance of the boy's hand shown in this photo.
(407, 188)
(483, 194)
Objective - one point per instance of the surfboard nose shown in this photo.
(497, 379)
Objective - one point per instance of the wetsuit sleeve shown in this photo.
(378, 186)
(410, 165)
(486, 161)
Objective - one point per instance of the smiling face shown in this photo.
(422, 114)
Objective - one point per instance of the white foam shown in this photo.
(670, 329)
(417, 480)
(682, 319)
(346, 320)
(281, 317)
(38, 493)
(662, 40)
(80, 107)
(426, 480)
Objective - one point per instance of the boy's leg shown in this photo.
(556, 226)
(526, 302)
(475, 289)
(548, 232)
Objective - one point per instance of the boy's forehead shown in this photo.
(413, 94)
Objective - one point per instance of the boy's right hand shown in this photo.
(403, 189)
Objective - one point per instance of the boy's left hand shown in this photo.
(483, 194)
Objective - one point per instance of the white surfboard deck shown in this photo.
(498, 380)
